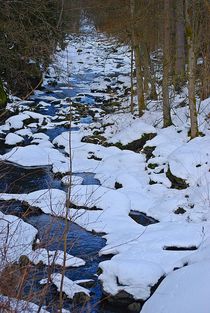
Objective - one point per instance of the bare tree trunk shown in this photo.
(149, 74)
(136, 47)
(132, 91)
(180, 44)
(153, 92)
(191, 74)
(139, 80)
(205, 72)
(146, 68)
(166, 66)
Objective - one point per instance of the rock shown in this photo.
(31, 120)
(149, 152)
(136, 145)
(180, 211)
(141, 218)
(177, 182)
(23, 261)
(99, 271)
(53, 83)
(110, 106)
(121, 298)
(81, 297)
(118, 185)
(93, 157)
(87, 283)
(134, 307)
(98, 140)
(152, 166)
(30, 210)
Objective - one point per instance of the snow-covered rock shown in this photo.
(132, 133)
(55, 257)
(13, 139)
(16, 238)
(19, 306)
(34, 155)
(185, 291)
(70, 288)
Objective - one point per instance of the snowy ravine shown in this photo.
(170, 183)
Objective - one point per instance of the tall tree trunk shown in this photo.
(180, 44)
(191, 73)
(149, 74)
(205, 72)
(132, 90)
(166, 66)
(137, 56)
(146, 68)
(139, 80)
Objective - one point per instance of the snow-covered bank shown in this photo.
(16, 238)
(185, 290)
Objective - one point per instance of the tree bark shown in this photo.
(137, 56)
(132, 90)
(180, 43)
(191, 73)
(166, 66)
(206, 75)
(139, 80)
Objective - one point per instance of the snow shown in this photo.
(139, 250)
(141, 255)
(44, 98)
(13, 139)
(141, 259)
(16, 238)
(34, 155)
(50, 201)
(185, 291)
(40, 136)
(20, 305)
(17, 121)
(55, 257)
(191, 161)
(24, 132)
(138, 284)
(74, 180)
(136, 130)
(70, 288)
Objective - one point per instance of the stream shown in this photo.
(17, 179)
(83, 244)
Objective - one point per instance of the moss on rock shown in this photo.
(136, 145)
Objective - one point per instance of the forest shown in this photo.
(104, 158)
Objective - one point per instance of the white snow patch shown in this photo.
(13, 139)
(185, 291)
(55, 257)
(19, 306)
(70, 288)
